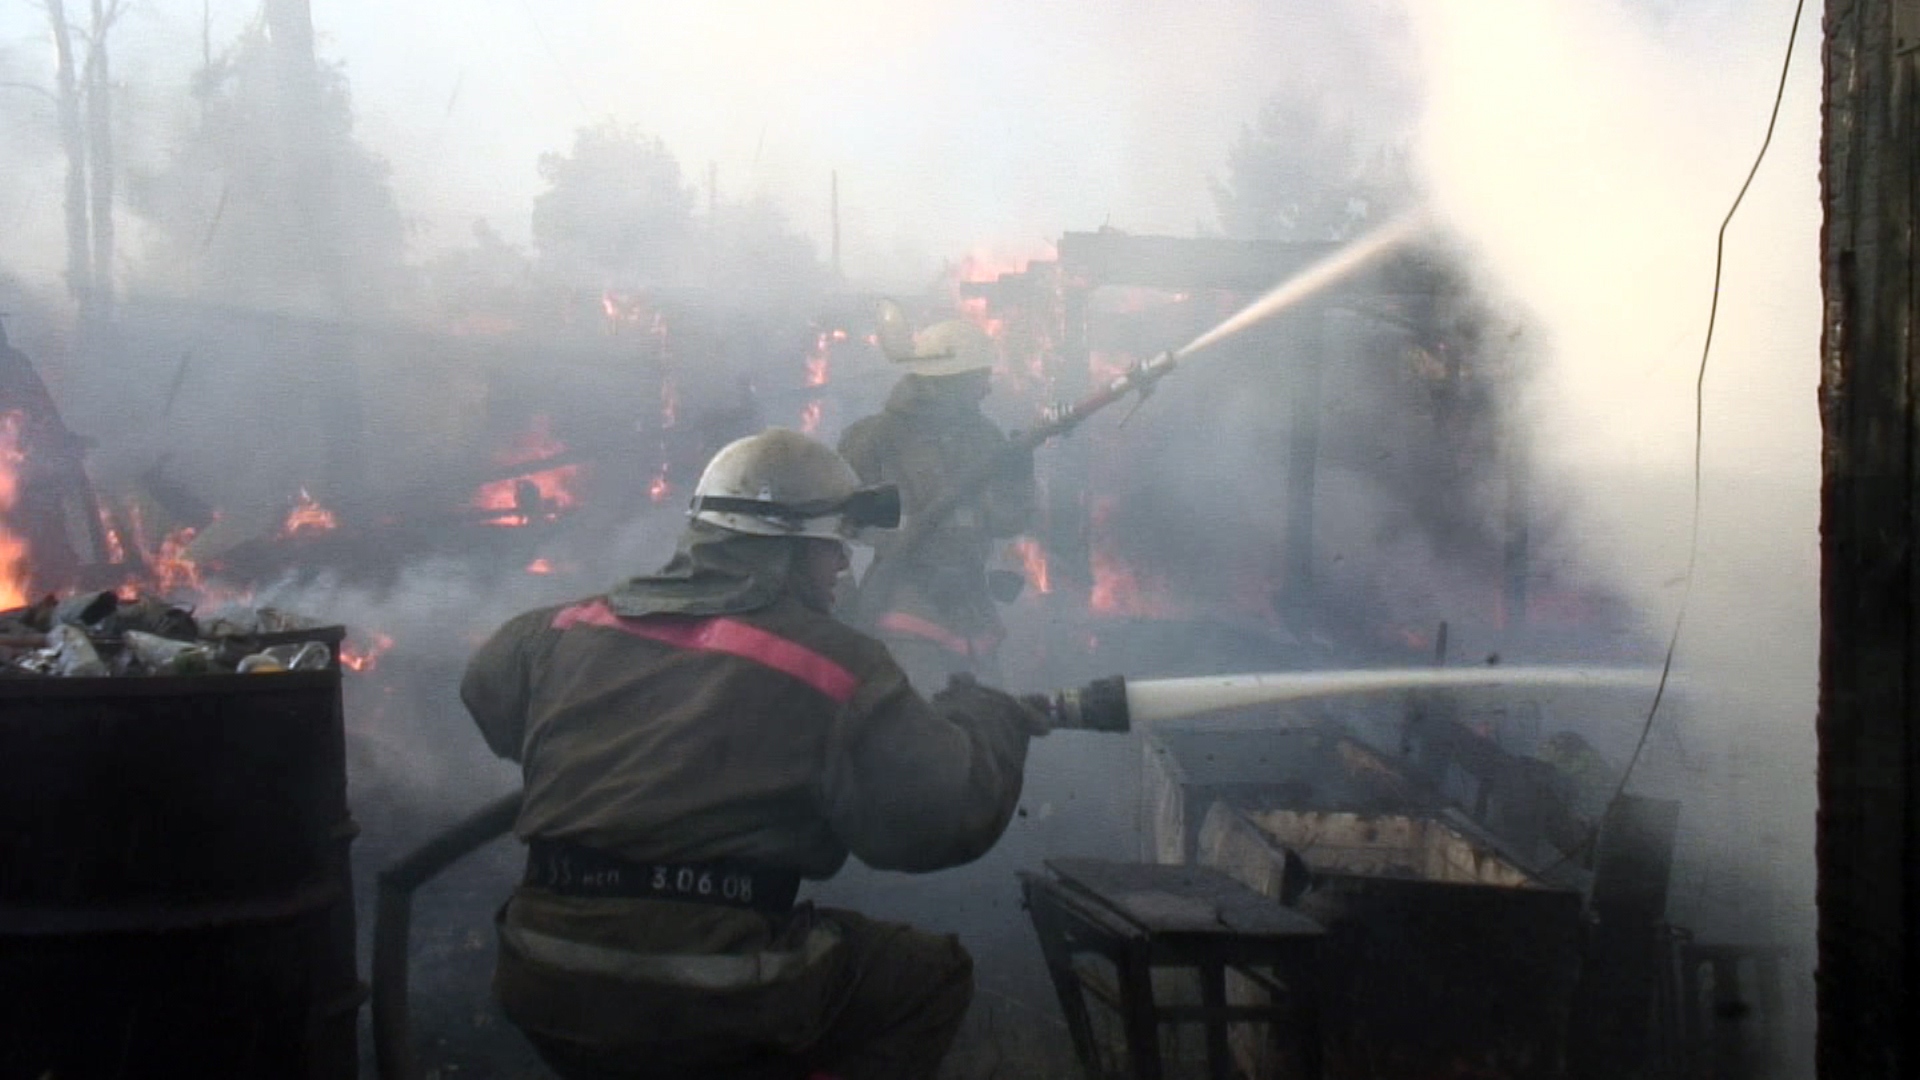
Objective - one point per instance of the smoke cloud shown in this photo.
(1589, 152)
(1580, 153)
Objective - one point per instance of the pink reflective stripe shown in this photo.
(730, 636)
(901, 622)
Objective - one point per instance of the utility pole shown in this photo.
(1869, 726)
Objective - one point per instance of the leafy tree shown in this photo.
(753, 241)
(492, 279)
(267, 200)
(1298, 173)
(616, 213)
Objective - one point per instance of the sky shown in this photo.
(992, 125)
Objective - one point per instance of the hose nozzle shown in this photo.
(1101, 705)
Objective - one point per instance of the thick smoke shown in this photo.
(1590, 152)
(1579, 154)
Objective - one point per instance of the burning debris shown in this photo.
(101, 634)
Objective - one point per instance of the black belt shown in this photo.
(573, 870)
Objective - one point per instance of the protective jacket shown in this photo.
(706, 715)
(921, 441)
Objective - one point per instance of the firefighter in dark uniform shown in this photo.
(694, 744)
(939, 617)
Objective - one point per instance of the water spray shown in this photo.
(1118, 704)
(877, 587)
(1320, 275)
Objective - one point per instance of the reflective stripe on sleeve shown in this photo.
(723, 635)
(901, 622)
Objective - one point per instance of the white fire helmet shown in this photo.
(952, 347)
(782, 483)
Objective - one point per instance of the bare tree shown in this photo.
(73, 139)
(100, 151)
(83, 99)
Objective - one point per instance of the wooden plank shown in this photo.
(1869, 724)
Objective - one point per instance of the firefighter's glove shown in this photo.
(1040, 713)
(1028, 712)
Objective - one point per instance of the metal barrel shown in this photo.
(175, 892)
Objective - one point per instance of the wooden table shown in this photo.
(1142, 916)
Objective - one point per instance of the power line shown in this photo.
(566, 75)
(1699, 430)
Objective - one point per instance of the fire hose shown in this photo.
(1113, 704)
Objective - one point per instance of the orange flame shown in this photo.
(1034, 559)
(309, 516)
(554, 486)
(13, 549)
(983, 264)
(817, 364)
(1116, 591)
(356, 658)
(810, 418)
(171, 567)
(116, 546)
(1118, 588)
(658, 488)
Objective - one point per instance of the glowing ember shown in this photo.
(810, 418)
(520, 499)
(550, 492)
(539, 566)
(13, 549)
(658, 489)
(309, 516)
(1035, 561)
(359, 658)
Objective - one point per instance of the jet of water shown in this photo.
(1320, 275)
(1153, 700)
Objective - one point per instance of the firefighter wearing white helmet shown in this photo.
(781, 483)
(698, 742)
(940, 617)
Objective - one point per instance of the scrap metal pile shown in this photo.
(95, 634)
